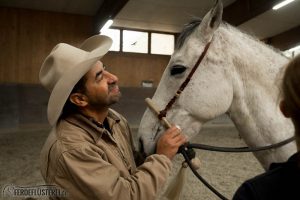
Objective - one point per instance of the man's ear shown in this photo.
(284, 109)
(78, 99)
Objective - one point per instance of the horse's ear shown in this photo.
(212, 19)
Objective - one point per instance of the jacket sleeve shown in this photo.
(98, 179)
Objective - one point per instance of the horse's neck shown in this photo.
(254, 109)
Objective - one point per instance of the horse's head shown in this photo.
(207, 95)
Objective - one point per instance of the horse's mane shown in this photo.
(189, 28)
(251, 37)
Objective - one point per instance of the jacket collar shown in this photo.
(94, 128)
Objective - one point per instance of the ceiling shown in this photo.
(253, 16)
(274, 22)
(83, 7)
(162, 15)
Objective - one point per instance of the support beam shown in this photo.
(241, 11)
(285, 40)
(108, 10)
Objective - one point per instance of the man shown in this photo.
(89, 152)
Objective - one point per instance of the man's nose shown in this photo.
(111, 77)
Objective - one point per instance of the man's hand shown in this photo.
(170, 141)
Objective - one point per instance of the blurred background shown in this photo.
(144, 33)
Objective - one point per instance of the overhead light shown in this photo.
(106, 25)
(292, 52)
(283, 3)
(296, 48)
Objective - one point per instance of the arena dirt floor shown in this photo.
(19, 154)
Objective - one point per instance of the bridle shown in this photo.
(163, 112)
(188, 150)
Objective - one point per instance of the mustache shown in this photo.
(112, 86)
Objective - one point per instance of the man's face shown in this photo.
(101, 87)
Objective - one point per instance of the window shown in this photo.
(138, 41)
(162, 43)
(114, 34)
(135, 41)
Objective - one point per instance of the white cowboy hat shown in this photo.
(65, 66)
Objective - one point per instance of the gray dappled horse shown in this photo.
(239, 76)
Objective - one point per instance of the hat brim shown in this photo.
(66, 83)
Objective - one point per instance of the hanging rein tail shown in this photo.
(188, 152)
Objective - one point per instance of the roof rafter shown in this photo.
(108, 10)
(285, 40)
(241, 11)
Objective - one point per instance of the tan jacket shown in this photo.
(88, 162)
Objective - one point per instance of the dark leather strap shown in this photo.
(163, 112)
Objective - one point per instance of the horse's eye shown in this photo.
(177, 69)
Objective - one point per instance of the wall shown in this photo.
(27, 37)
(25, 105)
(22, 104)
(132, 69)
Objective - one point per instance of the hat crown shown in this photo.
(63, 58)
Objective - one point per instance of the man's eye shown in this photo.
(177, 69)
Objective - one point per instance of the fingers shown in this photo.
(172, 129)
(178, 127)
(177, 136)
(170, 141)
(176, 133)
(180, 139)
